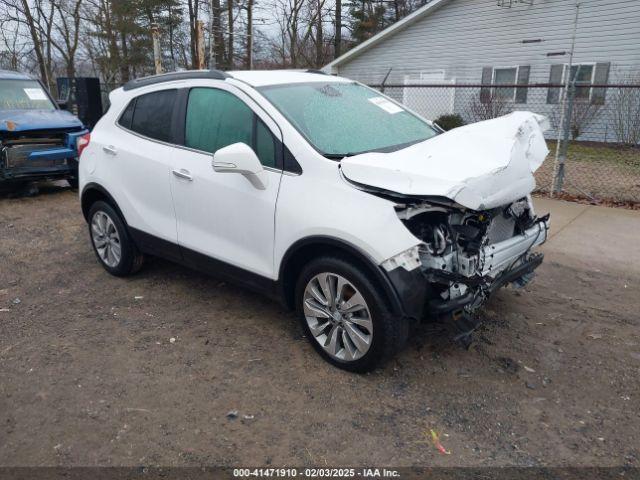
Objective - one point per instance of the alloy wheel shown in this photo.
(338, 316)
(106, 239)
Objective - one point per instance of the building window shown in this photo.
(582, 75)
(585, 75)
(505, 76)
(515, 76)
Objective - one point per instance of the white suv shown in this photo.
(319, 191)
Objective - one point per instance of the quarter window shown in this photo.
(152, 115)
(217, 118)
(127, 115)
(265, 146)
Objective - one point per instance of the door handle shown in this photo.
(184, 174)
(110, 149)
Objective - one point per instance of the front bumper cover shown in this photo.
(505, 262)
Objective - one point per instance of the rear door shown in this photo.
(222, 216)
(137, 154)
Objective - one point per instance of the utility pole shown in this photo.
(157, 58)
(565, 117)
(200, 44)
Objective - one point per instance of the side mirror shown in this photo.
(63, 104)
(240, 158)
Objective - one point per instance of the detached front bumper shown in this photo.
(510, 261)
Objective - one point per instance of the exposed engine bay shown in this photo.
(466, 254)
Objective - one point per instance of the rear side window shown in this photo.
(217, 118)
(152, 114)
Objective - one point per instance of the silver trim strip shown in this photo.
(499, 256)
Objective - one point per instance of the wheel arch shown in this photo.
(305, 250)
(93, 192)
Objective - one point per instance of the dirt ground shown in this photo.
(89, 374)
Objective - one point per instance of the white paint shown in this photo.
(483, 165)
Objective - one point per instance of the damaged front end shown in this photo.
(465, 255)
(465, 195)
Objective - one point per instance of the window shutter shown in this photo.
(601, 77)
(555, 77)
(485, 92)
(523, 79)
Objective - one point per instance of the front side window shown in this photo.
(216, 118)
(340, 119)
(152, 114)
(23, 95)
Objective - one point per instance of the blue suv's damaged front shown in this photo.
(37, 140)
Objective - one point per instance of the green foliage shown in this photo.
(447, 122)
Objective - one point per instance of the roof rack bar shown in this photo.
(168, 77)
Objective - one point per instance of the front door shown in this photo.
(223, 216)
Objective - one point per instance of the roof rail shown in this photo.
(319, 72)
(168, 77)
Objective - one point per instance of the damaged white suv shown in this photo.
(321, 192)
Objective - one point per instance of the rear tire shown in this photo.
(355, 331)
(111, 241)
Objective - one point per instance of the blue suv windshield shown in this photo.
(340, 119)
(23, 95)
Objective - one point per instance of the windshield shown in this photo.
(23, 95)
(341, 119)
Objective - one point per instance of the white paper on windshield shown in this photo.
(386, 105)
(35, 93)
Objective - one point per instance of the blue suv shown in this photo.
(38, 140)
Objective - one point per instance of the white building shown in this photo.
(522, 42)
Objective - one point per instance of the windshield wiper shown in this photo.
(338, 156)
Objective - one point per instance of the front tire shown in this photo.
(111, 242)
(345, 316)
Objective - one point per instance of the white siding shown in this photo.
(462, 36)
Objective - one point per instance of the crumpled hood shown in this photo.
(479, 166)
(23, 120)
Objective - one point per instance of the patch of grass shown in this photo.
(601, 153)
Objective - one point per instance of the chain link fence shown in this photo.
(600, 122)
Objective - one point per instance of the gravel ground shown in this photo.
(97, 370)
